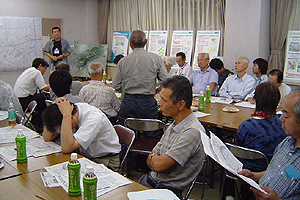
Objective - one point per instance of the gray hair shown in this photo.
(296, 109)
(246, 60)
(95, 68)
(206, 55)
(137, 38)
(168, 60)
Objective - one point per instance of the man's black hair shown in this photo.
(60, 82)
(39, 61)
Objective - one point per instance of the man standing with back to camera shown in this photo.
(136, 76)
(57, 49)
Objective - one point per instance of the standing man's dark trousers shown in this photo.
(140, 106)
(41, 106)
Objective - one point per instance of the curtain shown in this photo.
(294, 24)
(103, 11)
(280, 13)
(129, 15)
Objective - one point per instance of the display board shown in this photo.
(120, 44)
(158, 42)
(206, 42)
(20, 42)
(182, 41)
(292, 58)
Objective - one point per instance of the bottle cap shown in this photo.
(89, 169)
(20, 132)
(73, 156)
(207, 87)
(11, 104)
(201, 92)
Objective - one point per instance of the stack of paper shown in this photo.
(8, 134)
(153, 194)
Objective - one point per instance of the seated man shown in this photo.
(76, 85)
(99, 95)
(26, 87)
(281, 179)
(184, 68)
(178, 157)
(61, 84)
(275, 76)
(218, 65)
(8, 95)
(204, 77)
(168, 61)
(95, 137)
(239, 85)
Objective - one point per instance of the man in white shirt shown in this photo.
(276, 77)
(95, 137)
(239, 85)
(27, 85)
(184, 68)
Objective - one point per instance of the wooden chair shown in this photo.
(126, 136)
(243, 153)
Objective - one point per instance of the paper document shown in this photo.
(153, 194)
(218, 151)
(201, 114)
(8, 134)
(3, 115)
(221, 100)
(107, 179)
(245, 104)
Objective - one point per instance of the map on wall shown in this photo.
(85, 54)
(20, 42)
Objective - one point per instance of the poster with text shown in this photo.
(292, 58)
(182, 41)
(120, 44)
(145, 47)
(158, 42)
(206, 42)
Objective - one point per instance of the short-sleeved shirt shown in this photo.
(275, 177)
(96, 135)
(186, 70)
(238, 87)
(263, 78)
(183, 144)
(260, 134)
(102, 97)
(200, 80)
(28, 82)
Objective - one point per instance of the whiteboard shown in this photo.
(20, 42)
(292, 59)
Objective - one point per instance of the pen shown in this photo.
(40, 197)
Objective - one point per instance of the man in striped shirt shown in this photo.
(178, 157)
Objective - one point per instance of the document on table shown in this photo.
(245, 104)
(3, 115)
(153, 194)
(221, 100)
(107, 179)
(8, 134)
(218, 151)
(34, 148)
(200, 114)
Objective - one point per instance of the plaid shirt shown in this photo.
(285, 154)
(102, 97)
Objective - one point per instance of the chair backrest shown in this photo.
(19, 118)
(144, 124)
(29, 111)
(48, 102)
(127, 136)
(246, 153)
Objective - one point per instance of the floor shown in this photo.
(209, 194)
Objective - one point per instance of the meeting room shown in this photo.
(150, 99)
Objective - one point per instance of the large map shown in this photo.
(20, 42)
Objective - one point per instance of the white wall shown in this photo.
(79, 20)
(246, 31)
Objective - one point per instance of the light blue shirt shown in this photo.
(200, 80)
(237, 88)
(263, 78)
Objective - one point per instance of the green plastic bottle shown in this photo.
(21, 147)
(90, 184)
(201, 101)
(208, 91)
(74, 176)
(122, 96)
(104, 77)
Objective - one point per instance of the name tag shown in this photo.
(291, 173)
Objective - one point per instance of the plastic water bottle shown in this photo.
(208, 91)
(104, 77)
(74, 176)
(21, 147)
(11, 115)
(90, 184)
(201, 101)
